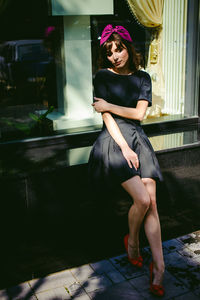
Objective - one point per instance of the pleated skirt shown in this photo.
(107, 166)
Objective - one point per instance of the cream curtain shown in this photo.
(149, 13)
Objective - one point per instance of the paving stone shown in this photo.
(82, 297)
(172, 245)
(190, 255)
(197, 292)
(95, 283)
(196, 261)
(52, 281)
(195, 248)
(4, 295)
(82, 273)
(187, 296)
(174, 286)
(197, 233)
(115, 276)
(193, 261)
(76, 290)
(190, 277)
(186, 271)
(125, 268)
(73, 288)
(117, 279)
(105, 267)
(141, 284)
(175, 258)
(190, 238)
(146, 254)
(20, 291)
(184, 239)
(146, 295)
(121, 291)
(197, 257)
(165, 251)
(54, 294)
(102, 266)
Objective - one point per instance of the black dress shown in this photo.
(107, 165)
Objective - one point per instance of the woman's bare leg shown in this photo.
(153, 231)
(136, 189)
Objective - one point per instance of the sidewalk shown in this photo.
(116, 279)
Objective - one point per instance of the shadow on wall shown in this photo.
(180, 205)
(50, 219)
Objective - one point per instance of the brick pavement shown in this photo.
(116, 279)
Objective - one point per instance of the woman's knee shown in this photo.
(144, 202)
(153, 204)
(138, 192)
(148, 181)
(151, 189)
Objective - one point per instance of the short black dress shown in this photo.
(107, 165)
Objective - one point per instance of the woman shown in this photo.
(122, 154)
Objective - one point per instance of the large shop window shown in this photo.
(30, 42)
(48, 57)
(170, 52)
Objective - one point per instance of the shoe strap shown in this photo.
(157, 287)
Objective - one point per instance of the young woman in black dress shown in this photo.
(122, 154)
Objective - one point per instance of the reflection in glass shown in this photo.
(77, 156)
(23, 67)
(170, 56)
(27, 84)
(174, 140)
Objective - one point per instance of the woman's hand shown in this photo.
(100, 105)
(131, 157)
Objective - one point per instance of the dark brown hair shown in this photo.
(135, 59)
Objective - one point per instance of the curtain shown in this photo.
(148, 12)
(175, 44)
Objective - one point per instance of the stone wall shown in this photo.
(49, 212)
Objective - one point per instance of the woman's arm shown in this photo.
(113, 129)
(137, 113)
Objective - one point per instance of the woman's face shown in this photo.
(118, 57)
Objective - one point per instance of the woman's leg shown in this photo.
(136, 189)
(153, 231)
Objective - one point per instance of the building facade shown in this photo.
(48, 59)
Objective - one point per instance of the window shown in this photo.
(170, 57)
(28, 84)
(48, 57)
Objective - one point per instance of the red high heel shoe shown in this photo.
(137, 262)
(157, 290)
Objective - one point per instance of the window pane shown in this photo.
(170, 56)
(37, 68)
(34, 51)
(28, 86)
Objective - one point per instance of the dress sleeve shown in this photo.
(100, 90)
(146, 88)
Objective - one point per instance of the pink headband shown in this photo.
(108, 30)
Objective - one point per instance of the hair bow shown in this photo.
(108, 30)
